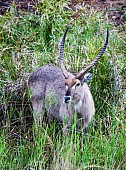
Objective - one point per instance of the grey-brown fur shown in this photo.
(48, 89)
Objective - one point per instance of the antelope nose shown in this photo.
(67, 99)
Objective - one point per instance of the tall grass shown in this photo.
(29, 41)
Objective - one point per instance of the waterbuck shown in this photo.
(61, 94)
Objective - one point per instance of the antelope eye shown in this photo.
(78, 84)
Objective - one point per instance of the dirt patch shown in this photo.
(116, 9)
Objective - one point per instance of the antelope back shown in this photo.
(47, 86)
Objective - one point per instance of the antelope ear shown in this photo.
(87, 77)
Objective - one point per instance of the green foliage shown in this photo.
(28, 41)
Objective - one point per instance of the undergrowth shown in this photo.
(28, 41)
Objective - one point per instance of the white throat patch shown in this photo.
(78, 105)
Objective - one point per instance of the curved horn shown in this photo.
(82, 72)
(64, 71)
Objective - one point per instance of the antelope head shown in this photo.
(74, 90)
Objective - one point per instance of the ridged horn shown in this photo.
(64, 71)
(95, 61)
